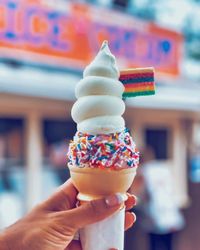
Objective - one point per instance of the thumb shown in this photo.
(93, 211)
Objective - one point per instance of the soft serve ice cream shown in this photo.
(102, 141)
(99, 107)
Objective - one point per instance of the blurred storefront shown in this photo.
(43, 51)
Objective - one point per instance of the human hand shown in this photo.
(53, 224)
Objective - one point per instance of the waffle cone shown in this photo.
(95, 183)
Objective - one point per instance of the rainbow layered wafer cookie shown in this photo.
(138, 81)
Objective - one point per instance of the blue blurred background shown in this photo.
(44, 46)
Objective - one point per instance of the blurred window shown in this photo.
(12, 178)
(158, 139)
(57, 134)
(120, 3)
(11, 142)
(58, 130)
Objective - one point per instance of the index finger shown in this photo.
(63, 199)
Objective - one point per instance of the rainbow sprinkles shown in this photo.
(138, 82)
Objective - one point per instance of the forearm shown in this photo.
(11, 238)
(3, 242)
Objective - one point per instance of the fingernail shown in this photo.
(134, 217)
(136, 200)
(114, 200)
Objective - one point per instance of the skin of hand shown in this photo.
(52, 224)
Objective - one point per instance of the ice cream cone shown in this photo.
(95, 183)
(103, 157)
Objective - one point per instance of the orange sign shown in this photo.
(69, 36)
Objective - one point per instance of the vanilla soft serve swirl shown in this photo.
(99, 107)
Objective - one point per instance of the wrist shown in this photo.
(3, 242)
